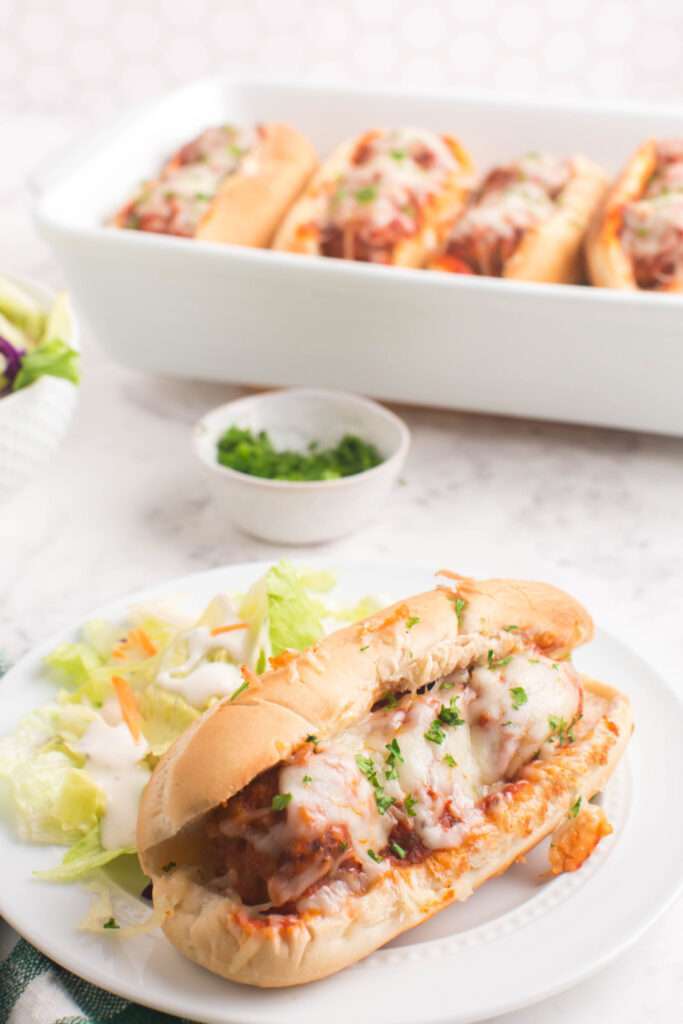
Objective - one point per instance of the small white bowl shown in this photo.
(33, 421)
(305, 512)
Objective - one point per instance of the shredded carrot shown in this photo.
(248, 676)
(401, 611)
(229, 629)
(449, 574)
(283, 658)
(144, 641)
(137, 637)
(129, 706)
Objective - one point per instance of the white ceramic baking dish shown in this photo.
(224, 313)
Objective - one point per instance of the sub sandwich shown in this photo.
(229, 184)
(362, 785)
(636, 240)
(527, 221)
(385, 197)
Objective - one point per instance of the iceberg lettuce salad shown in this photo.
(34, 343)
(74, 769)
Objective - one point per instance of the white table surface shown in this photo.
(124, 505)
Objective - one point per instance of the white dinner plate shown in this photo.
(517, 940)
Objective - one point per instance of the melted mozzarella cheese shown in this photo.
(507, 733)
(392, 180)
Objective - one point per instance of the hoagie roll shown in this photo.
(229, 184)
(526, 221)
(385, 197)
(636, 240)
(359, 787)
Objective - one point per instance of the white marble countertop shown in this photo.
(124, 505)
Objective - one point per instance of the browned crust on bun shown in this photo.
(212, 930)
(332, 684)
(323, 691)
(296, 233)
(250, 203)
(608, 264)
(552, 252)
(248, 207)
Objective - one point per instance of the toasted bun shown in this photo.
(608, 264)
(552, 251)
(299, 232)
(249, 205)
(333, 684)
(323, 691)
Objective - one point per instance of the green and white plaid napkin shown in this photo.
(34, 990)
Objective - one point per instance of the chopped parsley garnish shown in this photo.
(168, 867)
(450, 760)
(398, 154)
(203, 196)
(575, 807)
(239, 690)
(561, 730)
(510, 629)
(111, 923)
(410, 803)
(499, 663)
(447, 684)
(435, 733)
(254, 454)
(364, 649)
(343, 847)
(307, 779)
(556, 666)
(366, 194)
(393, 758)
(450, 714)
(374, 856)
(534, 661)
(460, 606)
(369, 770)
(398, 850)
(312, 739)
(412, 621)
(390, 699)
(261, 663)
(383, 801)
(236, 150)
(280, 801)
(519, 696)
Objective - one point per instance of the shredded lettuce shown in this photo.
(83, 858)
(43, 773)
(50, 359)
(284, 599)
(165, 716)
(21, 308)
(51, 796)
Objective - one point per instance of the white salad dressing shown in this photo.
(195, 678)
(113, 763)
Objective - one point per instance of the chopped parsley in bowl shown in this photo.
(302, 466)
(255, 454)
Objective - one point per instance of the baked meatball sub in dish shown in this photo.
(527, 220)
(365, 784)
(229, 184)
(636, 241)
(385, 197)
